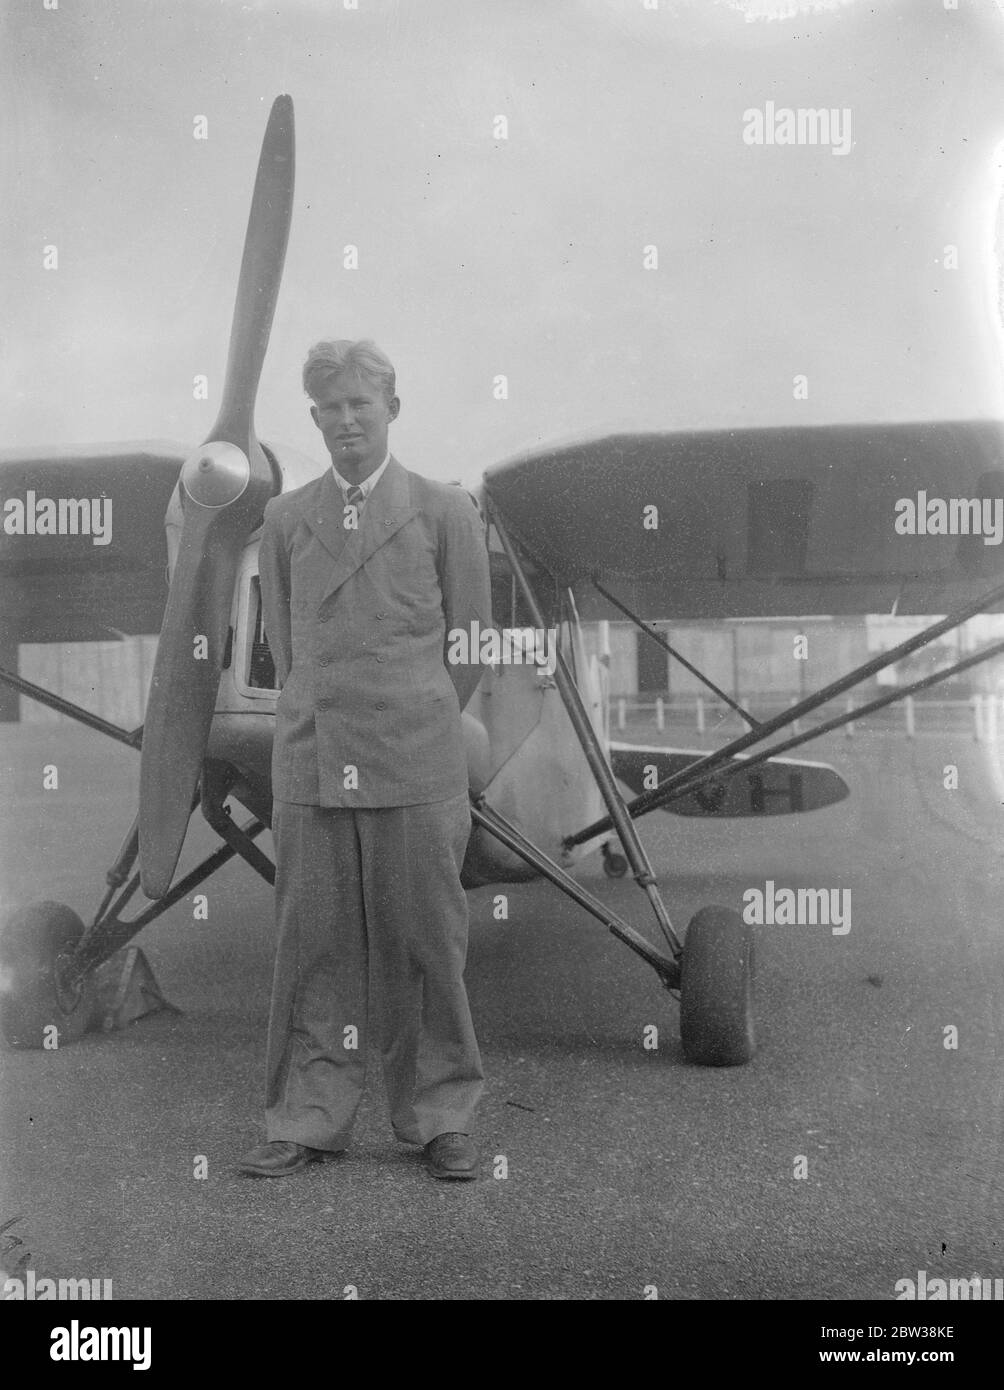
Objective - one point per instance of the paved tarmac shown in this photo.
(609, 1168)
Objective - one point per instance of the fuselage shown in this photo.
(522, 753)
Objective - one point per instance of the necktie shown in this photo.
(355, 497)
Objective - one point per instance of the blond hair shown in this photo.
(334, 355)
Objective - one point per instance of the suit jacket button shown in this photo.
(380, 704)
(379, 658)
(324, 703)
(324, 661)
(324, 617)
(381, 616)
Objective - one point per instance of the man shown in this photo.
(363, 573)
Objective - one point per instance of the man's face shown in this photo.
(353, 414)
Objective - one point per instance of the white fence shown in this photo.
(980, 715)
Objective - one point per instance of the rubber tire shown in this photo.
(716, 989)
(30, 1001)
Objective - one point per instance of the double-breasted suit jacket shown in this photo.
(357, 621)
(370, 809)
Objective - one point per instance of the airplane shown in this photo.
(749, 523)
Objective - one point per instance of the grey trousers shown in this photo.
(359, 894)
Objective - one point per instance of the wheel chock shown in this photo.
(128, 990)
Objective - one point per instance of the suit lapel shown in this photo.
(323, 511)
(387, 509)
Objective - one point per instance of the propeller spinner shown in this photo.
(224, 486)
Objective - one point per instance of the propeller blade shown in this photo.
(183, 691)
(224, 487)
(261, 271)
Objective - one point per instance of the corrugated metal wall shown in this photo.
(742, 658)
(107, 678)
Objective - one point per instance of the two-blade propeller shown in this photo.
(224, 486)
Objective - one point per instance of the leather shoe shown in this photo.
(279, 1157)
(452, 1156)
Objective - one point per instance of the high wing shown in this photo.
(755, 522)
(64, 587)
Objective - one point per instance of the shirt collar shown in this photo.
(369, 484)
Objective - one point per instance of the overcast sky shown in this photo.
(522, 256)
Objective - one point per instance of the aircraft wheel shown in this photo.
(32, 999)
(716, 989)
(614, 865)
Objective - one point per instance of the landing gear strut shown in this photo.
(49, 959)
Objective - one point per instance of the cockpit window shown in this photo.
(261, 668)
